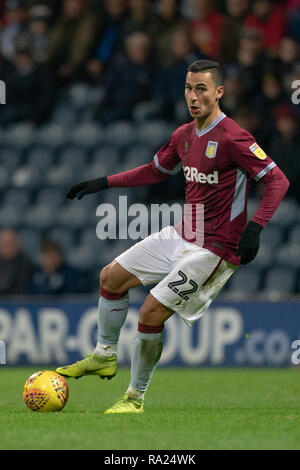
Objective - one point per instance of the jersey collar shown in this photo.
(211, 126)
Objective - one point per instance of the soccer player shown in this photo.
(218, 158)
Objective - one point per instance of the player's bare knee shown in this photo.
(153, 313)
(106, 279)
(103, 275)
(150, 317)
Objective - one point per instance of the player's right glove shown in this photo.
(87, 187)
(249, 242)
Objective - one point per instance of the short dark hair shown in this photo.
(208, 66)
(50, 245)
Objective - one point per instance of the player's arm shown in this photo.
(251, 158)
(276, 185)
(165, 163)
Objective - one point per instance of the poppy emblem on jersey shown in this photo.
(258, 152)
(211, 149)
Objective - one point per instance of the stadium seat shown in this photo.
(20, 135)
(87, 134)
(40, 157)
(10, 158)
(107, 155)
(286, 213)
(4, 178)
(272, 235)
(298, 286)
(72, 216)
(80, 96)
(120, 133)
(154, 133)
(10, 216)
(83, 257)
(244, 283)
(27, 177)
(64, 115)
(138, 155)
(60, 176)
(279, 282)
(62, 236)
(51, 197)
(294, 234)
(73, 156)
(89, 237)
(53, 135)
(31, 242)
(265, 257)
(289, 255)
(40, 217)
(19, 198)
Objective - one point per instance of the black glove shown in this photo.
(87, 187)
(249, 242)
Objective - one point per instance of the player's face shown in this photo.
(201, 94)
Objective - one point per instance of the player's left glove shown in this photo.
(87, 187)
(249, 242)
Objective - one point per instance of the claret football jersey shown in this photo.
(218, 164)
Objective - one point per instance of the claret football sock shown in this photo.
(147, 351)
(112, 313)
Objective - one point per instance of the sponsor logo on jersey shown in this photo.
(192, 174)
(211, 149)
(258, 152)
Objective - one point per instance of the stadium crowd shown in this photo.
(133, 55)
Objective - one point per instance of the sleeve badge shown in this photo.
(258, 152)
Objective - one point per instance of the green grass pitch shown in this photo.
(184, 409)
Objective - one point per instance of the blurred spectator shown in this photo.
(248, 120)
(285, 146)
(171, 77)
(270, 20)
(2, 6)
(39, 20)
(72, 40)
(54, 5)
(237, 11)
(207, 28)
(141, 18)
(251, 62)
(233, 96)
(288, 56)
(29, 90)
(169, 18)
(15, 267)
(13, 23)
(293, 28)
(271, 96)
(109, 41)
(129, 80)
(54, 276)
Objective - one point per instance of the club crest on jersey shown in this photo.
(258, 152)
(211, 149)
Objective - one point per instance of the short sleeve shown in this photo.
(249, 156)
(167, 159)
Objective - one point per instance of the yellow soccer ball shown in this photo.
(46, 391)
